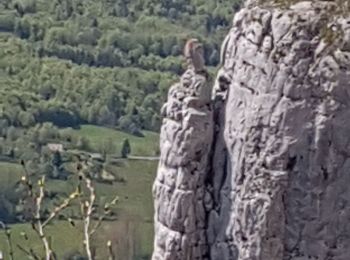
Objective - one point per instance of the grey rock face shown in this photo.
(179, 189)
(278, 182)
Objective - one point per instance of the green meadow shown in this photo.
(102, 136)
(131, 232)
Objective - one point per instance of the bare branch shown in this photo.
(98, 224)
(66, 203)
(37, 224)
(29, 253)
(87, 209)
(106, 212)
(39, 228)
(110, 251)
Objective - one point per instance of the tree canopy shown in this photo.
(106, 62)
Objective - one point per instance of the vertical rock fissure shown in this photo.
(286, 81)
(180, 193)
(261, 173)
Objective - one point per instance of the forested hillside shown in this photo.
(106, 62)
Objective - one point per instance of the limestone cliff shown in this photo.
(179, 189)
(263, 172)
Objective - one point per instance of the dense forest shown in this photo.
(105, 62)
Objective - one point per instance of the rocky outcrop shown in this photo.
(276, 186)
(179, 189)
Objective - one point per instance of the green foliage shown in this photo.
(105, 56)
(10, 174)
(51, 90)
(7, 23)
(126, 148)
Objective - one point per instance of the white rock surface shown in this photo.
(274, 183)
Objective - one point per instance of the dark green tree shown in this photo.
(56, 159)
(126, 148)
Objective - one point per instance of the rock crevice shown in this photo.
(261, 171)
(179, 189)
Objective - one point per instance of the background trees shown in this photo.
(104, 55)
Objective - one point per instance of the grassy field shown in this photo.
(10, 173)
(99, 136)
(134, 211)
(133, 229)
(64, 238)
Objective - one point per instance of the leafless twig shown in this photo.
(66, 203)
(38, 224)
(87, 209)
(107, 211)
(110, 251)
(30, 253)
(39, 227)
